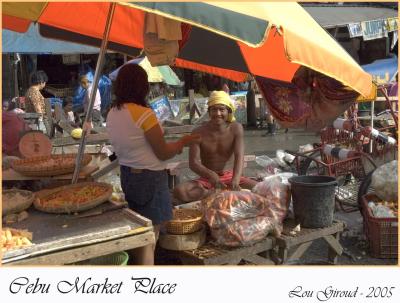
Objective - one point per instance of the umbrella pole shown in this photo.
(88, 118)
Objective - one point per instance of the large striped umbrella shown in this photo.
(269, 40)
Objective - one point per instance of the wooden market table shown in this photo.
(67, 239)
(302, 240)
(269, 251)
(211, 254)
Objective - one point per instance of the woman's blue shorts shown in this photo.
(147, 193)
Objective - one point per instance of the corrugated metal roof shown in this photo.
(332, 16)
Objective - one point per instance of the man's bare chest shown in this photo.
(218, 143)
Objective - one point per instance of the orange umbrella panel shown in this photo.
(225, 36)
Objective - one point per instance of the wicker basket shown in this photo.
(69, 207)
(11, 205)
(382, 233)
(185, 221)
(35, 166)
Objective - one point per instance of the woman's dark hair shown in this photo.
(131, 86)
(39, 77)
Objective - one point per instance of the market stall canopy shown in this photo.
(328, 15)
(155, 74)
(31, 42)
(383, 71)
(267, 39)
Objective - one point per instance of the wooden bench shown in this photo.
(211, 254)
(302, 240)
(270, 251)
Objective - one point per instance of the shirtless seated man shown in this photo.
(221, 137)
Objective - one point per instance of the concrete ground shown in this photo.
(353, 240)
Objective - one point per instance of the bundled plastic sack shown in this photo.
(270, 166)
(384, 181)
(246, 231)
(239, 218)
(226, 207)
(284, 159)
(277, 193)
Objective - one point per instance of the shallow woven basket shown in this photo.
(25, 166)
(181, 224)
(11, 206)
(68, 208)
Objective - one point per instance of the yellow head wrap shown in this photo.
(221, 97)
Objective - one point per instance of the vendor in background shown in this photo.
(138, 141)
(96, 112)
(271, 125)
(69, 115)
(34, 100)
(221, 140)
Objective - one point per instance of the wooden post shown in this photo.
(191, 105)
(48, 118)
(371, 142)
(15, 74)
(88, 117)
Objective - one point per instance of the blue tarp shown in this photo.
(383, 71)
(32, 42)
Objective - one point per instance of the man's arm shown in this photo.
(238, 153)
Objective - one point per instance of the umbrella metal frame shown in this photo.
(88, 117)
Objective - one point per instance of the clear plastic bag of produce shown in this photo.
(270, 166)
(384, 181)
(382, 210)
(284, 159)
(225, 207)
(242, 217)
(277, 192)
(246, 232)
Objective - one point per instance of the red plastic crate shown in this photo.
(382, 233)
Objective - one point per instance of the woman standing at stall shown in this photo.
(139, 144)
(34, 98)
(34, 102)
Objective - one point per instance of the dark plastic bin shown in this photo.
(313, 200)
